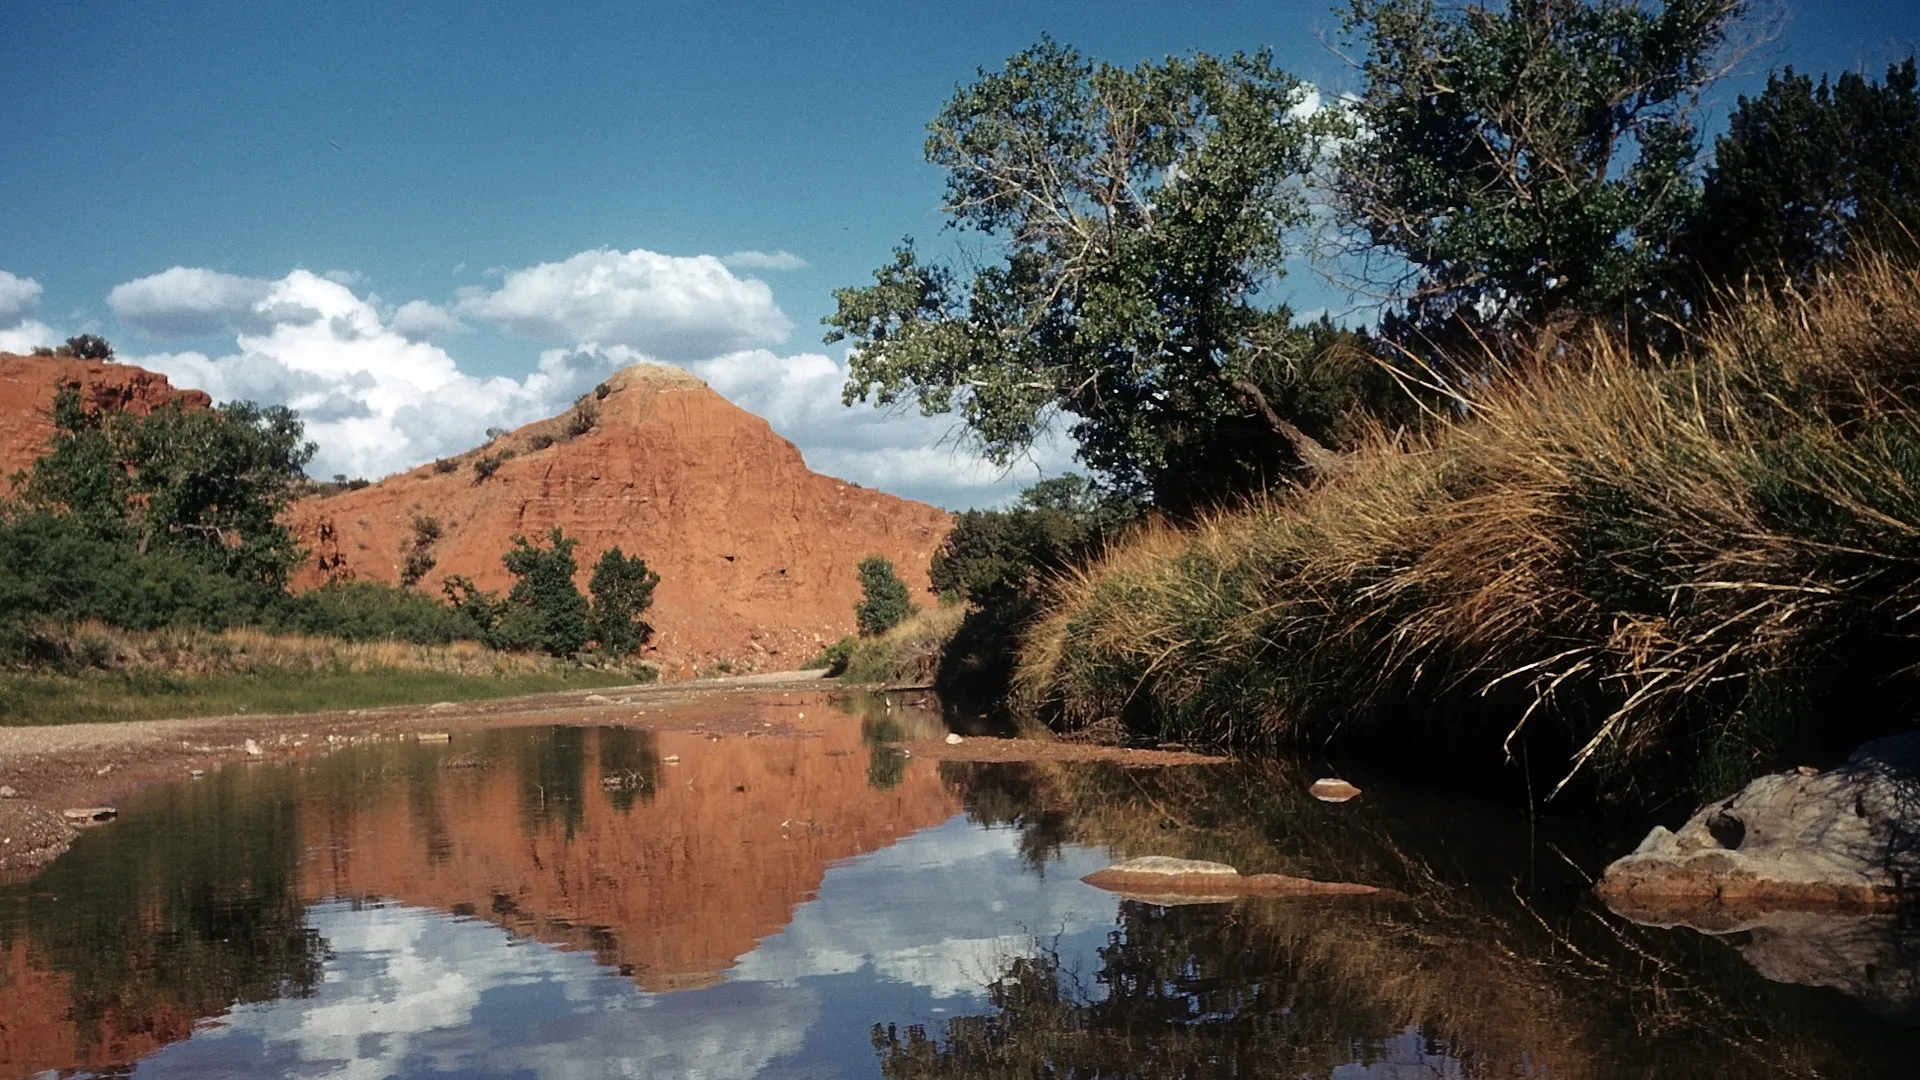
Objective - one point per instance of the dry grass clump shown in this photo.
(1625, 558)
(191, 652)
(910, 652)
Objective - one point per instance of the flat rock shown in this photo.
(596, 699)
(89, 814)
(1844, 839)
(1332, 789)
(1160, 879)
(433, 737)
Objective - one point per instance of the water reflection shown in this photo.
(573, 902)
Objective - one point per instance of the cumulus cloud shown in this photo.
(417, 320)
(191, 301)
(19, 299)
(27, 336)
(670, 307)
(895, 450)
(764, 260)
(373, 400)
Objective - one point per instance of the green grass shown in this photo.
(30, 699)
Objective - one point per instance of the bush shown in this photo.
(1653, 569)
(581, 420)
(909, 653)
(370, 611)
(419, 551)
(87, 347)
(486, 465)
(884, 599)
(445, 465)
(622, 588)
(833, 657)
(540, 441)
(544, 609)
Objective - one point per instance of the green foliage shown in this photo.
(833, 657)
(884, 598)
(371, 611)
(87, 347)
(1140, 211)
(581, 419)
(540, 441)
(208, 483)
(1806, 170)
(999, 561)
(544, 609)
(486, 465)
(1530, 162)
(419, 555)
(622, 588)
(446, 465)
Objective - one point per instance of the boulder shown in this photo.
(1844, 839)
(1159, 879)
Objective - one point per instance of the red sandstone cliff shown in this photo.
(28, 385)
(756, 554)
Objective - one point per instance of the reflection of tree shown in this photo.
(629, 766)
(186, 907)
(1497, 952)
(1182, 992)
(553, 768)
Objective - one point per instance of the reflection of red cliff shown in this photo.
(756, 553)
(675, 890)
(38, 1033)
(29, 383)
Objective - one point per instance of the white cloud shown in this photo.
(897, 450)
(28, 336)
(764, 260)
(417, 320)
(667, 306)
(373, 400)
(188, 301)
(19, 299)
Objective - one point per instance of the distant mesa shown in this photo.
(756, 553)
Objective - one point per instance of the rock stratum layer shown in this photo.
(28, 385)
(756, 553)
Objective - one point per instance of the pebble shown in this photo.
(196, 773)
(434, 737)
(671, 759)
(103, 770)
(253, 749)
(954, 738)
(1332, 789)
(8, 793)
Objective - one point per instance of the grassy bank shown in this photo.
(908, 654)
(108, 675)
(1661, 574)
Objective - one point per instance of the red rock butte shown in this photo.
(756, 553)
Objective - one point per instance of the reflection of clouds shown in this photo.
(1406, 1056)
(944, 910)
(409, 992)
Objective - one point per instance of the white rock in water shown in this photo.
(1332, 789)
(253, 749)
(954, 738)
(84, 814)
(1837, 839)
(434, 737)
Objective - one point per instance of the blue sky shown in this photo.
(466, 158)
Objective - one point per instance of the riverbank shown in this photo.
(1656, 576)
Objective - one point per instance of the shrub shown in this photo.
(581, 420)
(544, 609)
(88, 347)
(908, 653)
(622, 588)
(370, 611)
(833, 657)
(486, 465)
(419, 551)
(540, 441)
(445, 465)
(884, 599)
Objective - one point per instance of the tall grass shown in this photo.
(1659, 570)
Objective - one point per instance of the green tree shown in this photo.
(87, 347)
(1139, 212)
(1530, 163)
(210, 483)
(885, 601)
(1806, 169)
(622, 588)
(544, 609)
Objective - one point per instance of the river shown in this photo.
(574, 901)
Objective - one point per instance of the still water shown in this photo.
(610, 901)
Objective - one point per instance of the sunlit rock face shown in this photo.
(756, 553)
(590, 840)
(28, 385)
